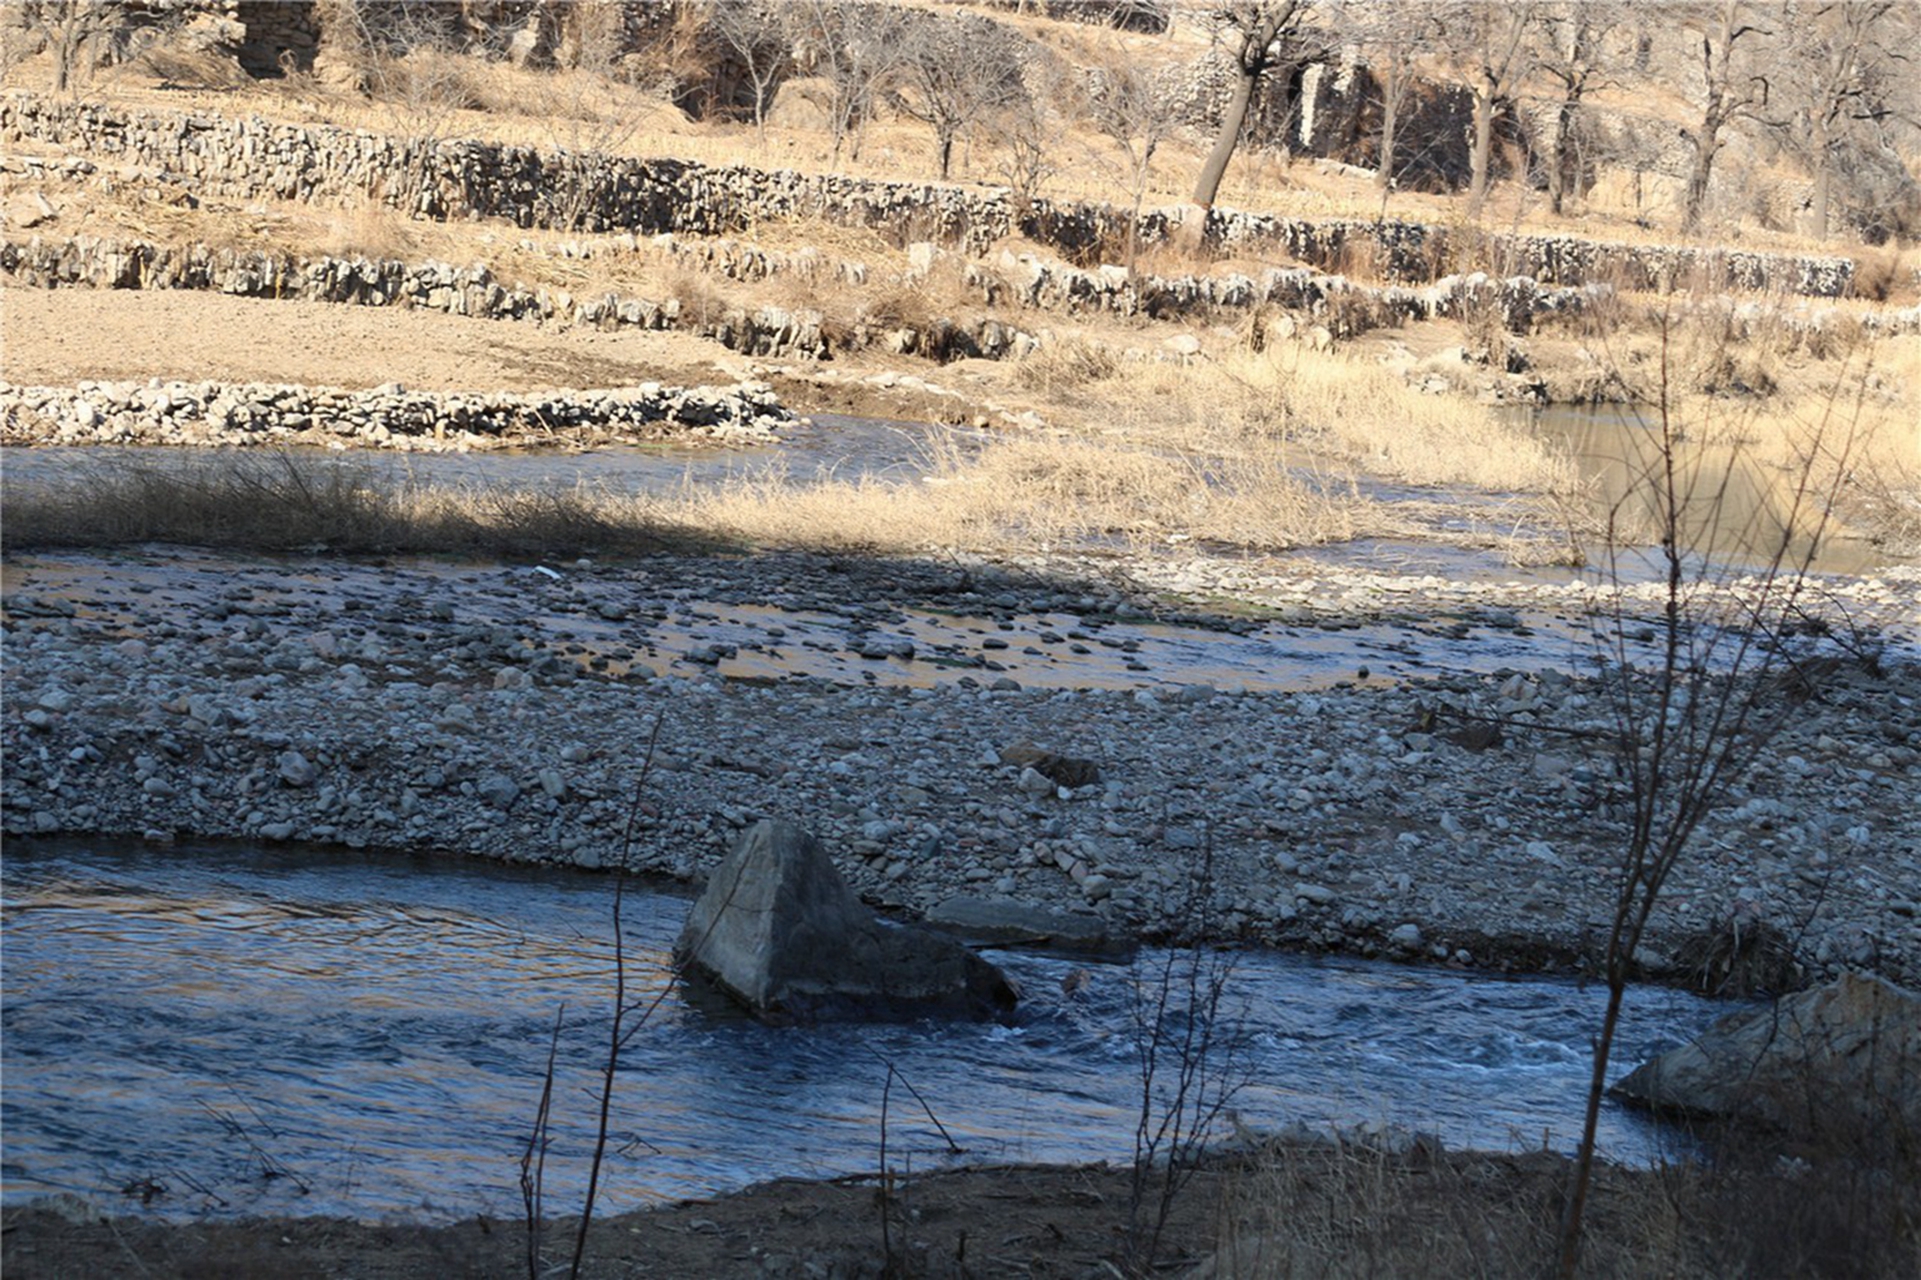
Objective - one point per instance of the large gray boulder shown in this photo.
(1847, 1052)
(779, 931)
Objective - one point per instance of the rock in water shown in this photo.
(1002, 922)
(1848, 1051)
(779, 931)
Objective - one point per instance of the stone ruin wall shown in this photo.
(251, 158)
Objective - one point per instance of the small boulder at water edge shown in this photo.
(1847, 1052)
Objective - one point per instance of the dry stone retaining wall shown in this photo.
(387, 417)
(769, 331)
(249, 157)
(1347, 308)
(1037, 283)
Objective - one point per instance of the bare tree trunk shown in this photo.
(1697, 192)
(1390, 121)
(1208, 185)
(1483, 147)
(1561, 159)
(1822, 151)
(1570, 1252)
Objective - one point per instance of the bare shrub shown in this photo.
(854, 53)
(954, 72)
(760, 36)
(1136, 110)
(1884, 275)
(1064, 365)
(1690, 723)
(411, 62)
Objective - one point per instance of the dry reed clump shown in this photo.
(1888, 273)
(700, 301)
(279, 502)
(1844, 1207)
(1010, 494)
(1027, 491)
(368, 229)
(1330, 408)
(1064, 366)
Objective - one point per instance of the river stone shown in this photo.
(1003, 922)
(1066, 771)
(296, 770)
(779, 931)
(1847, 1051)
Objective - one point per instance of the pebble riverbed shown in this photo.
(504, 711)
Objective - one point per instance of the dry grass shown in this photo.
(277, 502)
(1293, 403)
(1306, 1211)
(1032, 491)
(1014, 493)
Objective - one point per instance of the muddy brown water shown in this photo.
(1738, 514)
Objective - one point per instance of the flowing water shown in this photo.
(214, 1030)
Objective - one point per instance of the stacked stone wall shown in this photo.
(249, 157)
(769, 331)
(281, 35)
(235, 415)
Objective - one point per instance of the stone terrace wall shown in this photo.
(249, 157)
(770, 331)
(388, 417)
(1346, 308)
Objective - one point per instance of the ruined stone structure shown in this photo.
(280, 35)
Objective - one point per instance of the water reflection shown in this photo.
(1737, 511)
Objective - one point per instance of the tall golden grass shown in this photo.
(1015, 493)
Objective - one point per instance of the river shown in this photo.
(216, 1030)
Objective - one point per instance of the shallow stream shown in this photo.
(218, 1031)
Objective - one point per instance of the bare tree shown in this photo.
(591, 105)
(1842, 63)
(955, 71)
(411, 60)
(1489, 39)
(1690, 722)
(1133, 108)
(757, 33)
(1391, 36)
(1266, 37)
(1566, 42)
(75, 33)
(1030, 124)
(1733, 87)
(856, 50)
